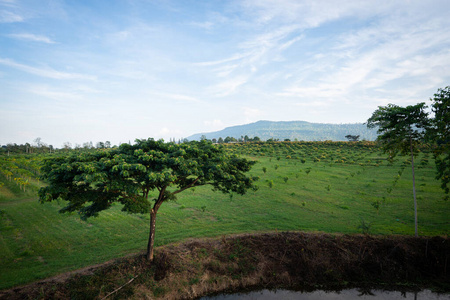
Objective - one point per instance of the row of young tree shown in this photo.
(403, 129)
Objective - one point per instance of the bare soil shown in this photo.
(292, 260)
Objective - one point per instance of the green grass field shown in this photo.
(322, 186)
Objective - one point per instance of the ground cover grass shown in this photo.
(321, 186)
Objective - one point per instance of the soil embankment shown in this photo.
(268, 260)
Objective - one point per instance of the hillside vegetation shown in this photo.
(334, 187)
(293, 130)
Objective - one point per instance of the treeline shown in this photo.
(230, 139)
(245, 139)
(39, 147)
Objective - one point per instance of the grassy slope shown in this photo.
(36, 241)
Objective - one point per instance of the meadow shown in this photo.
(334, 187)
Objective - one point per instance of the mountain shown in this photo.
(293, 130)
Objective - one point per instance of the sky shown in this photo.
(118, 70)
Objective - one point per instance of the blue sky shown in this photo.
(80, 71)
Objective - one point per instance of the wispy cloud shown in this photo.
(45, 72)
(10, 17)
(205, 25)
(51, 93)
(213, 125)
(31, 37)
(234, 57)
(178, 97)
(228, 87)
(73, 92)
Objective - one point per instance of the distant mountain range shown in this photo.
(293, 130)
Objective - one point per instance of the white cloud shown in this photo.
(213, 125)
(205, 25)
(9, 17)
(252, 114)
(310, 14)
(45, 72)
(168, 132)
(31, 37)
(228, 87)
(234, 57)
(51, 93)
(174, 96)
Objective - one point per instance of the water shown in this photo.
(352, 294)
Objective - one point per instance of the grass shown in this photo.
(37, 242)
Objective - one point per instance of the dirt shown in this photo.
(292, 260)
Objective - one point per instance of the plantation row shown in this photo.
(21, 169)
(363, 153)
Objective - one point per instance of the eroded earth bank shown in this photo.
(292, 260)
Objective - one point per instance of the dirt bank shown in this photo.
(289, 260)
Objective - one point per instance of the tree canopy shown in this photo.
(352, 138)
(399, 128)
(141, 177)
(440, 132)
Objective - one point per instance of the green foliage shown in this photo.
(440, 133)
(92, 181)
(364, 226)
(400, 128)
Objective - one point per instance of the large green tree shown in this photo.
(440, 133)
(401, 129)
(141, 177)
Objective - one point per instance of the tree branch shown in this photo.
(188, 186)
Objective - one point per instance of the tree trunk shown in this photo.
(414, 190)
(151, 238)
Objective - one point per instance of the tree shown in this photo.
(38, 142)
(141, 177)
(352, 138)
(67, 146)
(229, 139)
(440, 133)
(401, 129)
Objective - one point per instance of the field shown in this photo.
(307, 186)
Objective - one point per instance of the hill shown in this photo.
(293, 130)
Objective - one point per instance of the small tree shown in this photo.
(352, 138)
(133, 174)
(401, 129)
(440, 133)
